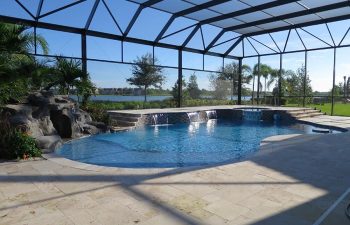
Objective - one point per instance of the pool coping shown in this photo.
(267, 145)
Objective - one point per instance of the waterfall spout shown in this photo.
(193, 117)
(160, 119)
(211, 114)
(252, 114)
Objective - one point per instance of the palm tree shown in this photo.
(65, 73)
(16, 63)
(16, 39)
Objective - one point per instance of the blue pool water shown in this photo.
(177, 145)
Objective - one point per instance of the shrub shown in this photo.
(97, 113)
(15, 144)
(22, 145)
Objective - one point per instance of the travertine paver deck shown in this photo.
(292, 180)
(199, 108)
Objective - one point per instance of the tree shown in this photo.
(193, 89)
(85, 89)
(17, 66)
(146, 74)
(338, 89)
(265, 72)
(226, 82)
(66, 72)
(175, 89)
(294, 85)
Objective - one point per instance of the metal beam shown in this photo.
(83, 53)
(38, 11)
(239, 100)
(112, 16)
(75, 30)
(305, 79)
(299, 25)
(200, 7)
(25, 9)
(290, 15)
(247, 11)
(285, 45)
(92, 13)
(280, 81)
(150, 3)
(179, 79)
(233, 46)
(258, 88)
(165, 28)
(188, 39)
(217, 37)
(299, 51)
(133, 20)
(137, 13)
(61, 8)
(334, 67)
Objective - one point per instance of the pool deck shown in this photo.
(294, 179)
(199, 108)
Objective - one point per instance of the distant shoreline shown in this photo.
(140, 98)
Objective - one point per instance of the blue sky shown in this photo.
(148, 26)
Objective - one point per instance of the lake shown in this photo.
(122, 98)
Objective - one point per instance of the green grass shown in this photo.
(340, 109)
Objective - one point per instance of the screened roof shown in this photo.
(214, 27)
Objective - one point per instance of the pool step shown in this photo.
(304, 113)
(309, 115)
(124, 119)
(111, 113)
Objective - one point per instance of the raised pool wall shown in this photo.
(227, 114)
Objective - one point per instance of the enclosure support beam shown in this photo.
(35, 41)
(179, 80)
(334, 65)
(83, 54)
(280, 81)
(258, 84)
(305, 79)
(239, 89)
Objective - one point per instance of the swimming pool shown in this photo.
(178, 145)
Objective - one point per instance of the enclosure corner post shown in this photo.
(280, 81)
(83, 53)
(334, 65)
(239, 100)
(179, 91)
(305, 79)
(258, 89)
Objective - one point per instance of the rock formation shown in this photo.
(49, 119)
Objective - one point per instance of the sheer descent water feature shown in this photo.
(252, 114)
(160, 118)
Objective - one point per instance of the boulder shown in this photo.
(49, 143)
(89, 129)
(24, 110)
(42, 98)
(47, 126)
(49, 118)
(82, 116)
(100, 125)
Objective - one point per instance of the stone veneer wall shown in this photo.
(228, 114)
(173, 118)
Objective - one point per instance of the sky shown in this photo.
(320, 63)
